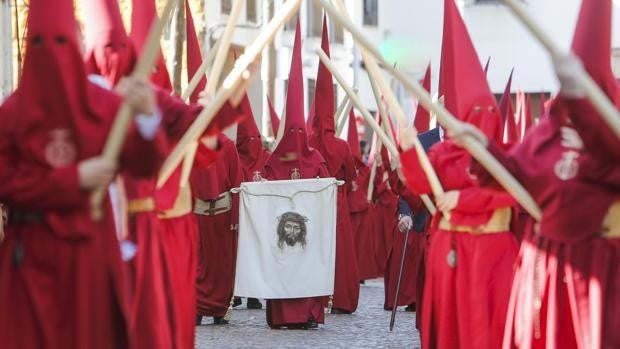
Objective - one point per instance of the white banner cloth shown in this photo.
(287, 238)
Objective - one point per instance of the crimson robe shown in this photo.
(384, 212)
(362, 223)
(61, 283)
(575, 269)
(409, 288)
(217, 242)
(465, 304)
(297, 311)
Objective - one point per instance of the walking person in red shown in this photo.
(471, 251)
(341, 166)
(360, 209)
(60, 271)
(161, 223)
(218, 217)
(292, 158)
(252, 157)
(566, 289)
(385, 209)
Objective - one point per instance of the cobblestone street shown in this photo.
(368, 327)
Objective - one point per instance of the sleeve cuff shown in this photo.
(148, 125)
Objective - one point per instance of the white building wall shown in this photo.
(6, 49)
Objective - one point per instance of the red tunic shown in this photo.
(296, 311)
(217, 242)
(384, 212)
(566, 265)
(464, 304)
(362, 223)
(413, 256)
(66, 291)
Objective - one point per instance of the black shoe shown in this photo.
(198, 320)
(410, 307)
(219, 320)
(339, 311)
(362, 282)
(236, 302)
(312, 325)
(254, 303)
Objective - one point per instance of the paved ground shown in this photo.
(366, 328)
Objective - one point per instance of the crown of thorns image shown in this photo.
(291, 230)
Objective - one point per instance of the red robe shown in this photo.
(414, 255)
(179, 234)
(66, 290)
(384, 212)
(296, 311)
(217, 242)
(464, 304)
(362, 223)
(567, 264)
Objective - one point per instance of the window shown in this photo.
(371, 16)
(226, 6)
(250, 9)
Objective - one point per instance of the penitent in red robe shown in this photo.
(414, 255)
(570, 263)
(217, 243)
(384, 212)
(60, 271)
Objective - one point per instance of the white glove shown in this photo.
(567, 68)
(405, 223)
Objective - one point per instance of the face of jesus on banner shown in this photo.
(292, 230)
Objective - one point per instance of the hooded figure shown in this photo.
(359, 208)
(565, 291)
(341, 166)
(61, 284)
(292, 158)
(471, 253)
(157, 318)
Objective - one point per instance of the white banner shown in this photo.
(287, 239)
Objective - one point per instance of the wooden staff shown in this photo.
(375, 75)
(373, 174)
(222, 52)
(344, 117)
(592, 90)
(447, 120)
(118, 132)
(229, 87)
(358, 104)
(213, 80)
(200, 72)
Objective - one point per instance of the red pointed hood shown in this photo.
(109, 51)
(505, 103)
(462, 81)
(249, 142)
(422, 120)
(53, 87)
(142, 16)
(592, 44)
(323, 122)
(292, 152)
(353, 137)
(486, 66)
(194, 56)
(275, 120)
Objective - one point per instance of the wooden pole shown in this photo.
(338, 112)
(229, 87)
(202, 70)
(447, 120)
(6, 50)
(592, 90)
(178, 33)
(118, 132)
(358, 104)
(344, 116)
(222, 52)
